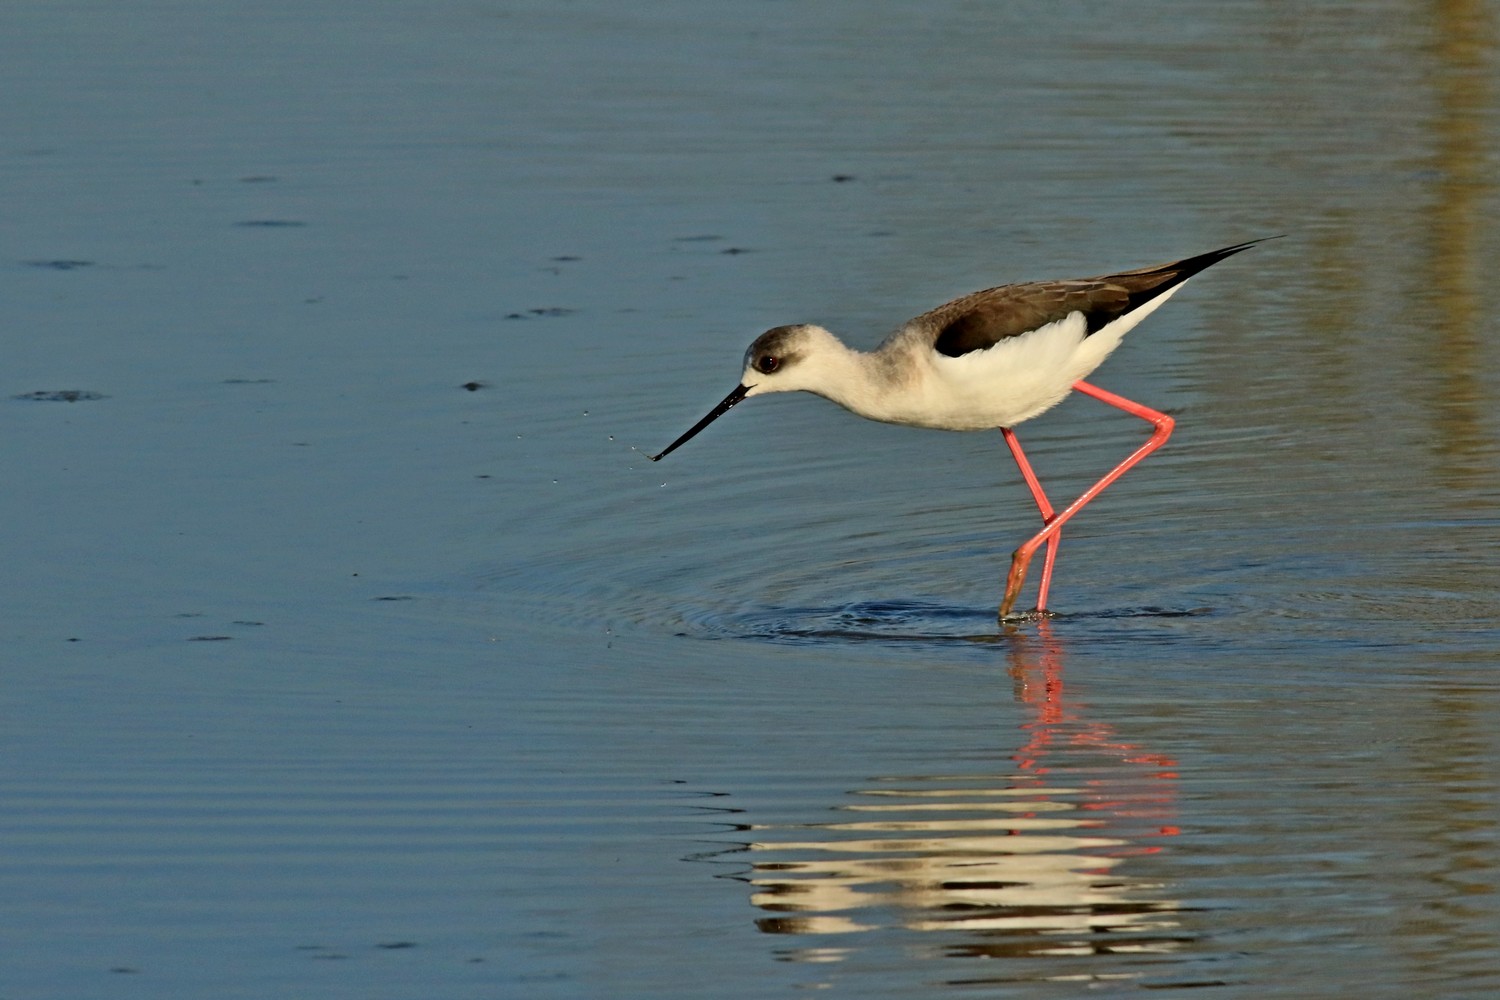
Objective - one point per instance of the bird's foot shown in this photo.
(1022, 617)
(1019, 561)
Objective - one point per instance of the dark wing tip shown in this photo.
(1231, 251)
(1183, 269)
(1149, 282)
(1141, 286)
(1250, 243)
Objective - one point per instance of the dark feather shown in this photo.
(983, 319)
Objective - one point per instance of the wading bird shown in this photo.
(986, 360)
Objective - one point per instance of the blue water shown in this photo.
(352, 648)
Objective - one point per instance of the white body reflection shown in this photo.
(1029, 861)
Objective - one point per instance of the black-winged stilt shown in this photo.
(986, 360)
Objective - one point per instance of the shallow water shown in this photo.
(352, 649)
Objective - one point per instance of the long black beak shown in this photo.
(714, 414)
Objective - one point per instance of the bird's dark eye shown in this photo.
(767, 364)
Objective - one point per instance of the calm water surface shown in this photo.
(328, 676)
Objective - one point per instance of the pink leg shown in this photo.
(1043, 504)
(1019, 562)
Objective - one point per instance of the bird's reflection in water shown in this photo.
(1028, 862)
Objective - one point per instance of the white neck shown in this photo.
(856, 380)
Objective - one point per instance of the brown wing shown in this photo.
(983, 319)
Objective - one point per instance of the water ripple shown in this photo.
(896, 622)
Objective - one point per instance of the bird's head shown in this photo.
(783, 359)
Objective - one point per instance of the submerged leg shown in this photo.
(1043, 504)
(1162, 429)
